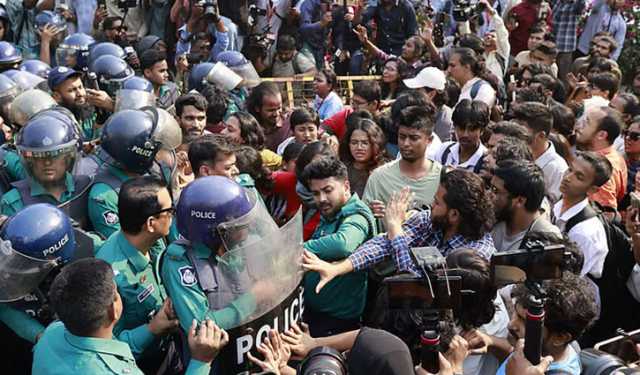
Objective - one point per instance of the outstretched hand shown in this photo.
(327, 271)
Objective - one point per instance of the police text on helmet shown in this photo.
(53, 249)
(203, 214)
(142, 151)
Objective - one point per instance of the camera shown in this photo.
(210, 9)
(258, 46)
(127, 4)
(254, 13)
(462, 10)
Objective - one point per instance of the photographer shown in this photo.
(291, 62)
(496, 43)
(133, 12)
(316, 19)
(204, 17)
(461, 216)
(395, 22)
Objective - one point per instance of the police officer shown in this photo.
(132, 139)
(73, 52)
(37, 67)
(146, 213)
(136, 92)
(89, 306)
(48, 146)
(28, 104)
(12, 169)
(10, 57)
(35, 243)
(200, 280)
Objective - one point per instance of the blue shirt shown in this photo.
(310, 29)
(328, 106)
(418, 231)
(571, 365)
(603, 19)
(223, 41)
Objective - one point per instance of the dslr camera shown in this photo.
(210, 9)
(127, 4)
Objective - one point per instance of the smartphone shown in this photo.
(623, 346)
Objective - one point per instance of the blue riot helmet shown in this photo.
(47, 17)
(37, 67)
(10, 57)
(34, 241)
(216, 211)
(111, 72)
(73, 52)
(26, 80)
(28, 103)
(132, 138)
(198, 75)
(105, 48)
(136, 93)
(50, 136)
(236, 61)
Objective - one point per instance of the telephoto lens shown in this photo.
(429, 354)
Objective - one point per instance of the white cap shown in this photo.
(430, 77)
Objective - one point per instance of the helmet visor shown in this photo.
(20, 274)
(224, 77)
(249, 229)
(66, 56)
(134, 99)
(250, 77)
(28, 104)
(168, 132)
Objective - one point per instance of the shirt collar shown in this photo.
(571, 212)
(114, 347)
(547, 157)
(134, 256)
(38, 189)
(473, 160)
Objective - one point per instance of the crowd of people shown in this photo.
(158, 192)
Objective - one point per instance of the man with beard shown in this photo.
(601, 46)
(191, 114)
(469, 118)
(460, 217)
(596, 131)
(412, 170)
(346, 222)
(265, 104)
(518, 187)
(68, 90)
(606, 15)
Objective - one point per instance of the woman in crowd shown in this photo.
(394, 71)
(326, 103)
(249, 162)
(362, 150)
(304, 125)
(243, 129)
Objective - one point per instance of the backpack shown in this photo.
(443, 159)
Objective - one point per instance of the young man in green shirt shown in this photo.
(345, 223)
(88, 305)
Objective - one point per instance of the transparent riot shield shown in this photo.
(261, 260)
(20, 274)
(134, 99)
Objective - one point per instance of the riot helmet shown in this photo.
(8, 92)
(10, 57)
(236, 61)
(221, 76)
(132, 138)
(198, 75)
(111, 72)
(48, 17)
(73, 52)
(26, 80)
(34, 241)
(37, 67)
(105, 48)
(46, 138)
(216, 211)
(136, 93)
(28, 103)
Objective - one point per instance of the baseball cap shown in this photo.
(60, 74)
(430, 77)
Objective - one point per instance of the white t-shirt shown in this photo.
(485, 93)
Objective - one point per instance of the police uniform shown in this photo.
(141, 292)
(61, 352)
(103, 202)
(227, 304)
(12, 163)
(12, 201)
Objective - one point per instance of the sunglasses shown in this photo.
(171, 210)
(634, 136)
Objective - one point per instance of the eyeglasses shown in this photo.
(634, 136)
(170, 210)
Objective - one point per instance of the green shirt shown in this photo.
(103, 205)
(189, 300)
(23, 324)
(335, 239)
(61, 352)
(141, 292)
(11, 201)
(89, 130)
(13, 165)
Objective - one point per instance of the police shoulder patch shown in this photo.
(110, 217)
(187, 276)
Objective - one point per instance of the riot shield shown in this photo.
(20, 274)
(134, 99)
(271, 268)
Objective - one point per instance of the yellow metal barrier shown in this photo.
(297, 91)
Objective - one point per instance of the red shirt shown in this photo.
(284, 187)
(337, 124)
(526, 14)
